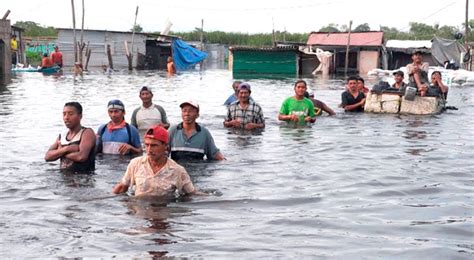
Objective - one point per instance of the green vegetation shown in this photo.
(232, 38)
(33, 58)
(417, 31)
(33, 29)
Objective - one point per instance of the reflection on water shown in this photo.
(381, 185)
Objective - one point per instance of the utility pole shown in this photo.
(130, 54)
(346, 66)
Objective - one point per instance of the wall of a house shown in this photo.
(368, 60)
(5, 54)
(98, 41)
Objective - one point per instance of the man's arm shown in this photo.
(354, 106)
(85, 147)
(56, 151)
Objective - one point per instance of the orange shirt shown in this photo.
(47, 62)
(57, 58)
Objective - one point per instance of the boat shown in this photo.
(53, 69)
(395, 103)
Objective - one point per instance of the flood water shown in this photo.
(351, 186)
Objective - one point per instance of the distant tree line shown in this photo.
(417, 31)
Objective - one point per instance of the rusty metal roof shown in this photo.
(340, 38)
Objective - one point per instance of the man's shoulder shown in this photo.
(172, 164)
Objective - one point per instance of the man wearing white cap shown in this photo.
(189, 140)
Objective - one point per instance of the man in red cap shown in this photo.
(154, 174)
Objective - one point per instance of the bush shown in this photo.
(33, 58)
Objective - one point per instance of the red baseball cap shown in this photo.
(157, 132)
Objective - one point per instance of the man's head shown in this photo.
(13, 36)
(116, 110)
(156, 142)
(236, 85)
(146, 95)
(352, 83)
(300, 88)
(360, 83)
(436, 75)
(398, 76)
(243, 92)
(170, 59)
(72, 114)
(417, 56)
(56, 48)
(189, 111)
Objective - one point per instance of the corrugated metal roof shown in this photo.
(340, 38)
(402, 44)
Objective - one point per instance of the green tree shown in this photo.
(332, 27)
(422, 31)
(34, 29)
(137, 28)
(362, 28)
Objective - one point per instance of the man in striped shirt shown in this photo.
(244, 113)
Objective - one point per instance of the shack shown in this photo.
(365, 49)
(399, 52)
(97, 41)
(270, 61)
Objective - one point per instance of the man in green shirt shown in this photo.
(297, 108)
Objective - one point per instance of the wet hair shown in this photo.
(301, 81)
(436, 72)
(352, 78)
(360, 79)
(237, 82)
(75, 105)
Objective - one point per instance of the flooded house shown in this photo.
(271, 61)
(365, 49)
(399, 52)
(5, 53)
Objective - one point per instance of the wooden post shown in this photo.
(88, 57)
(81, 44)
(6, 15)
(346, 66)
(202, 34)
(74, 30)
(109, 56)
(130, 53)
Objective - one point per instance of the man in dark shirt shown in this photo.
(352, 99)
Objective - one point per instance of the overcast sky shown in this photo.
(247, 16)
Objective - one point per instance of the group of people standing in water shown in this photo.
(157, 172)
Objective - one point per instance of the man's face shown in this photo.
(398, 78)
(417, 57)
(360, 85)
(352, 85)
(235, 86)
(155, 149)
(71, 117)
(189, 114)
(244, 95)
(146, 96)
(300, 89)
(116, 115)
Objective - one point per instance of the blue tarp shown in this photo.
(184, 55)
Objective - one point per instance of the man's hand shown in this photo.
(125, 149)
